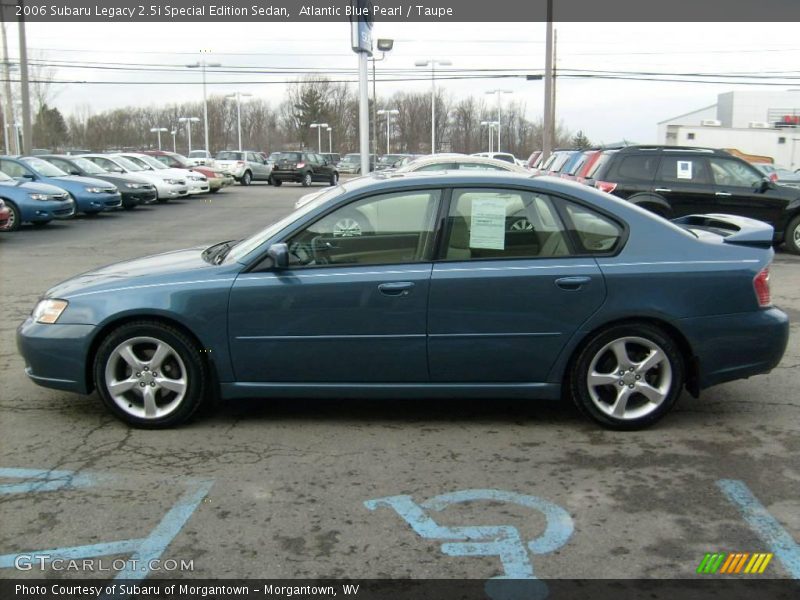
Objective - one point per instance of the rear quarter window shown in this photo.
(641, 167)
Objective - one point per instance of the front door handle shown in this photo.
(572, 283)
(662, 190)
(397, 288)
(724, 194)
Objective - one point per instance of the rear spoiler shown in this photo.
(733, 229)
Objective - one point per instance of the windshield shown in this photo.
(352, 158)
(44, 168)
(127, 164)
(4, 177)
(197, 154)
(155, 163)
(88, 166)
(247, 245)
(229, 155)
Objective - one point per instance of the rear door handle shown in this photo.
(724, 194)
(397, 288)
(572, 283)
(662, 190)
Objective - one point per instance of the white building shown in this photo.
(760, 123)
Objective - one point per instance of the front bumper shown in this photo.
(198, 187)
(46, 210)
(136, 197)
(55, 355)
(216, 183)
(92, 203)
(737, 346)
(172, 191)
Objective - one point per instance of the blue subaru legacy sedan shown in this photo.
(91, 195)
(36, 203)
(480, 284)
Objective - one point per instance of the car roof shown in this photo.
(464, 158)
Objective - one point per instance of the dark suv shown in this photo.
(303, 167)
(675, 181)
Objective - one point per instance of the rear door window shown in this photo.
(684, 169)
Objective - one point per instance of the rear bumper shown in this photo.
(296, 176)
(737, 346)
(55, 355)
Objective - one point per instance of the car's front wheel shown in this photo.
(150, 375)
(277, 182)
(306, 180)
(792, 238)
(627, 376)
(14, 220)
(334, 179)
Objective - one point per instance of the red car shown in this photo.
(5, 213)
(216, 179)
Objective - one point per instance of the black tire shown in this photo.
(247, 178)
(130, 206)
(358, 171)
(334, 179)
(191, 367)
(307, 179)
(14, 222)
(597, 403)
(277, 182)
(215, 190)
(792, 237)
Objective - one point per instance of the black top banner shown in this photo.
(445, 11)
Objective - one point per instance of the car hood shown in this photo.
(155, 269)
(74, 181)
(33, 188)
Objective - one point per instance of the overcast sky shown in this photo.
(606, 110)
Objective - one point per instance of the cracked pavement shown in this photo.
(291, 476)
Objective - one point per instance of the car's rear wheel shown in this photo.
(792, 237)
(247, 178)
(150, 375)
(277, 182)
(334, 179)
(14, 221)
(306, 180)
(627, 376)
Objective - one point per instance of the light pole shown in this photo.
(388, 112)
(189, 121)
(433, 62)
(238, 97)
(491, 126)
(158, 130)
(174, 133)
(330, 140)
(499, 93)
(318, 127)
(384, 46)
(202, 65)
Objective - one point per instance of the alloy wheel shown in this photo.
(347, 227)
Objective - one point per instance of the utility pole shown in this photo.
(8, 105)
(547, 137)
(27, 133)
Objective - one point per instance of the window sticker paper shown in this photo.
(488, 224)
(684, 169)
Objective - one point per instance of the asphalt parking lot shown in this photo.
(359, 489)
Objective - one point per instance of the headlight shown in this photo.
(97, 190)
(48, 311)
(133, 186)
(39, 196)
(173, 181)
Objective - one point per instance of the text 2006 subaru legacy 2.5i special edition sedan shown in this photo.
(479, 284)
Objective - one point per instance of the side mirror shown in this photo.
(766, 184)
(74, 172)
(279, 253)
(27, 175)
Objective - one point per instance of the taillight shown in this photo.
(605, 186)
(300, 165)
(761, 288)
(773, 177)
(240, 163)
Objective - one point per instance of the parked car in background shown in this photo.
(199, 158)
(134, 190)
(778, 174)
(554, 163)
(216, 178)
(587, 170)
(533, 159)
(196, 182)
(675, 181)
(5, 213)
(504, 156)
(245, 167)
(304, 168)
(389, 161)
(91, 195)
(37, 203)
(334, 157)
(166, 188)
(576, 163)
(594, 303)
(351, 164)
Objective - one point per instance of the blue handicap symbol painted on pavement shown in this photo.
(142, 551)
(503, 541)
